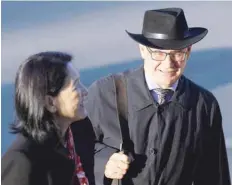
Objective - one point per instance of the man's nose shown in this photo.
(168, 62)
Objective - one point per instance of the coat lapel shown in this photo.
(184, 96)
(141, 107)
(61, 168)
(139, 95)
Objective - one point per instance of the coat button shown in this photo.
(160, 109)
(153, 151)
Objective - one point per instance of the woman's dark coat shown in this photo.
(29, 163)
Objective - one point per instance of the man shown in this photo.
(174, 125)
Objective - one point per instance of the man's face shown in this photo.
(164, 67)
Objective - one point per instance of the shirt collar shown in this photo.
(152, 85)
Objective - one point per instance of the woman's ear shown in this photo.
(50, 104)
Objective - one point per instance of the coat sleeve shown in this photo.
(213, 168)
(16, 169)
(103, 150)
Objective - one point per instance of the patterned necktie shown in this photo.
(163, 95)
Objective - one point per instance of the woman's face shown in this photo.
(70, 100)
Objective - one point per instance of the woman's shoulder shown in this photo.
(16, 159)
(20, 161)
(22, 149)
(21, 143)
(16, 168)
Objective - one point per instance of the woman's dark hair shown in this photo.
(40, 75)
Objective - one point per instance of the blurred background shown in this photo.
(94, 33)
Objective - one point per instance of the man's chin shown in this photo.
(168, 82)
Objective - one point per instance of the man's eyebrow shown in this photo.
(176, 51)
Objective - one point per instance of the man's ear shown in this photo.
(189, 52)
(50, 104)
(142, 49)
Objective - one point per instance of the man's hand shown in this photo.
(117, 166)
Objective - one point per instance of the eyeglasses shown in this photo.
(160, 55)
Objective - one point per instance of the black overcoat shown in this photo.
(178, 143)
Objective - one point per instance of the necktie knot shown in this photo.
(163, 94)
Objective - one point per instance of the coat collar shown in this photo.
(151, 85)
(140, 96)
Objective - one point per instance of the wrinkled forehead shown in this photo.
(169, 51)
(73, 72)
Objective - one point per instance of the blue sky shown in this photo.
(17, 15)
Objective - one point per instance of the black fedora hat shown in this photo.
(167, 29)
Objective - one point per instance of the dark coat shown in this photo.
(176, 143)
(29, 163)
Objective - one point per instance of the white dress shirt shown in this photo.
(152, 85)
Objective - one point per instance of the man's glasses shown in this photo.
(160, 55)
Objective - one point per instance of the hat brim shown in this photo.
(194, 36)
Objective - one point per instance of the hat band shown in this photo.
(162, 36)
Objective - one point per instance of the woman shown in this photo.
(48, 98)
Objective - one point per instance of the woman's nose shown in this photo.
(84, 91)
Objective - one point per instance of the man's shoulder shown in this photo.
(103, 80)
(107, 81)
(99, 85)
(203, 93)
